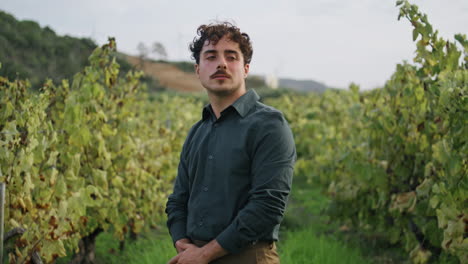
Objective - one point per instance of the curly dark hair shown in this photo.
(214, 32)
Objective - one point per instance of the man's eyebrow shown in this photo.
(231, 52)
(210, 51)
(215, 51)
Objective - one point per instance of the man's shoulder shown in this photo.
(194, 128)
(266, 113)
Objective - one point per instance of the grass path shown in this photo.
(307, 236)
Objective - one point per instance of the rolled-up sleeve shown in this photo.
(176, 207)
(274, 155)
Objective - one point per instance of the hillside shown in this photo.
(302, 85)
(168, 75)
(28, 51)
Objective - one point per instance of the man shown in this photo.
(236, 164)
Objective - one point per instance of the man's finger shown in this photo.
(184, 246)
(180, 243)
(174, 260)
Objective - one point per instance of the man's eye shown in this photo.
(231, 58)
(211, 57)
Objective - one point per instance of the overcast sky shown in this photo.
(332, 41)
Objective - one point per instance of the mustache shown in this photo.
(220, 72)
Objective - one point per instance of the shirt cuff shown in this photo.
(231, 240)
(178, 231)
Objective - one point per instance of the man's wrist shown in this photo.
(212, 251)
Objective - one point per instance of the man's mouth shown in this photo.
(220, 76)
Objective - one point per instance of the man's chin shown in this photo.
(222, 91)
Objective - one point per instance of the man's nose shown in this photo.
(222, 63)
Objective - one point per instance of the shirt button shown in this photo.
(200, 223)
(205, 189)
(210, 157)
(215, 125)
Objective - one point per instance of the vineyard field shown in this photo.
(99, 153)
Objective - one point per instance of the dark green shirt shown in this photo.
(234, 176)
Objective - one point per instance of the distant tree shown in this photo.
(159, 50)
(143, 52)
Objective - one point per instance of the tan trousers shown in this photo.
(260, 253)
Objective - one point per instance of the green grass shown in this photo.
(153, 248)
(306, 247)
(308, 236)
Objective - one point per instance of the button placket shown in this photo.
(200, 222)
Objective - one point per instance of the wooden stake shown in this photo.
(2, 210)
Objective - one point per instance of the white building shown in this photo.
(272, 81)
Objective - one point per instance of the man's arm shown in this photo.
(274, 154)
(176, 207)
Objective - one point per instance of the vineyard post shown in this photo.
(2, 204)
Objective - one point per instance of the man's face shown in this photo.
(221, 69)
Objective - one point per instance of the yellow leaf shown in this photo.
(52, 249)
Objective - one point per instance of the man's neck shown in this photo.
(219, 103)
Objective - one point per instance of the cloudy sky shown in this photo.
(332, 41)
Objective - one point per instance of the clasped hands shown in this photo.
(188, 253)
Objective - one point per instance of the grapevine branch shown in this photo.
(14, 232)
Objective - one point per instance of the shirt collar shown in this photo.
(207, 112)
(242, 105)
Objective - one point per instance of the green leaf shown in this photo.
(61, 187)
(415, 33)
(63, 209)
(419, 93)
(77, 205)
(419, 255)
(100, 178)
(424, 188)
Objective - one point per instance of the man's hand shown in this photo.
(179, 244)
(189, 254)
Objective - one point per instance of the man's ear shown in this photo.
(197, 70)
(246, 70)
